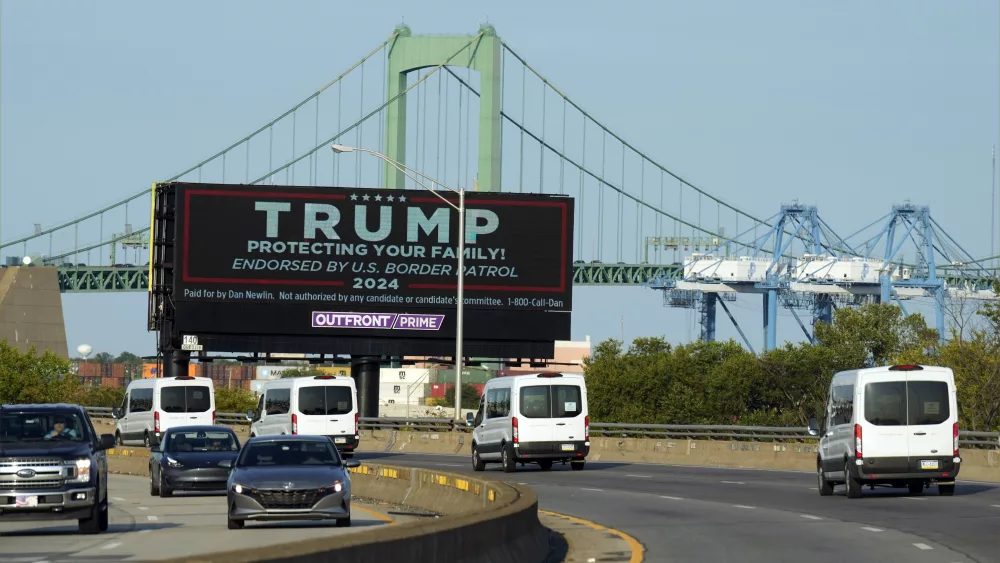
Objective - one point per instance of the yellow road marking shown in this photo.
(633, 544)
(378, 515)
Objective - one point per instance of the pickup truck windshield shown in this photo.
(27, 426)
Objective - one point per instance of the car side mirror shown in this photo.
(106, 442)
(116, 413)
(154, 450)
(250, 415)
(813, 427)
(226, 463)
(352, 463)
(469, 419)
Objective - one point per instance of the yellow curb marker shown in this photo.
(633, 544)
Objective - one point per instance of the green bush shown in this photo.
(234, 400)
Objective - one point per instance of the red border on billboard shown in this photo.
(239, 193)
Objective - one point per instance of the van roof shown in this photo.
(898, 370)
(554, 375)
(323, 379)
(179, 380)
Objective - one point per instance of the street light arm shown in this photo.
(398, 165)
(421, 184)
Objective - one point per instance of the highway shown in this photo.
(145, 528)
(747, 516)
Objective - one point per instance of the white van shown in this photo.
(536, 418)
(153, 405)
(892, 426)
(323, 405)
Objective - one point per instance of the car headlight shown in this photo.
(336, 487)
(171, 462)
(82, 474)
(238, 489)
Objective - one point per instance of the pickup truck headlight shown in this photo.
(171, 462)
(82, 471)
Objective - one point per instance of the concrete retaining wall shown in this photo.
(482, 521)
(978, 464)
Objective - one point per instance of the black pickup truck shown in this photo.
(53, 466)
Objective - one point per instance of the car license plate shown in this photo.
(568, 447)
(928, 464)
(340, 440)
(26, 500)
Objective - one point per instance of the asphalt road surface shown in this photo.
(717, 515)
(146, 528)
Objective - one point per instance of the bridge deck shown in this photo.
(107, 279)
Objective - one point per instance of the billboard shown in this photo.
(368, 271)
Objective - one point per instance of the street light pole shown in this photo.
(460, 283)
(460, 306)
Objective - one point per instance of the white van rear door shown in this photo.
(326, 410)
(884, 418)
(534, 417)
(185, 405)
(567, 412)
(929, 427)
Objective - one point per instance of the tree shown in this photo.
(874, 334)
(104, 358)
(128, 358)
(470, 397)
(26, 377)
(306, 371)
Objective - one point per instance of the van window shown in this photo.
(842, 404)
(140, 400)
(276, 401)
(498, 403)
(898, 403)
(551, 401)
(325, 399)
(188, 398)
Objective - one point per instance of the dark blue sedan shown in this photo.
(191, 458)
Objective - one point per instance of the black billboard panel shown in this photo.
(359, 264)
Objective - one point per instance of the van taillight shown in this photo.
(513, 422)
(954, 434)
(857, 441)
(213, 417)
(586, 428)
(295, 424)
(156, 421)
(356, 418)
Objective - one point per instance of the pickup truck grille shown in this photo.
(45, 473)
(30, 462)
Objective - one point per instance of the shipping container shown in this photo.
(469, 375)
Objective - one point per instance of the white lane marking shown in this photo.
(914, 498)
(112, 545)
(995, 505)
(923, 546)
(810, 516)
(597, 490)
(870, 529)
(742, 506)
(119, 499)
(640, 476)
(733, 482)
(152, 518)
(143, 508)
(813, 488)
(145, 531)
(448, 464)
(670, 498)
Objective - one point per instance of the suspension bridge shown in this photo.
(470, 110)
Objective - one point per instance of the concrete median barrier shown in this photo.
(480, 520)
(978, 464)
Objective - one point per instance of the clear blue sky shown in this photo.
(852, 106)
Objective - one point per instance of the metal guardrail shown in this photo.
(610, 429)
